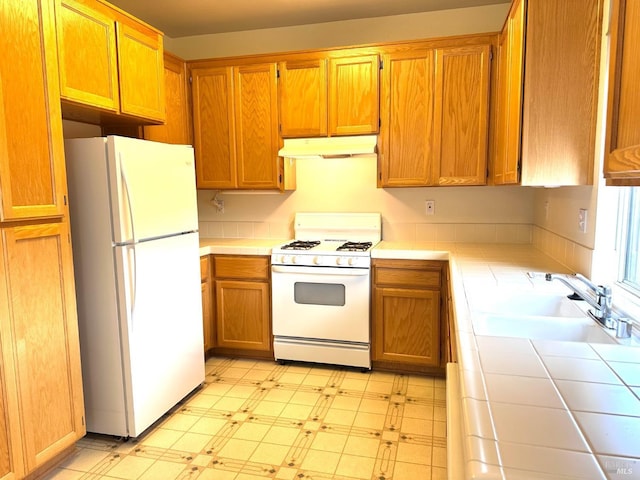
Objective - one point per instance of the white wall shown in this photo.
(338, 34)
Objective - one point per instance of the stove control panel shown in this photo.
(314, 260)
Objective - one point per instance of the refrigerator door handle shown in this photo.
(134, 283)
(130, 265)
(123, 174)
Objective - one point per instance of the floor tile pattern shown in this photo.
(261, 420)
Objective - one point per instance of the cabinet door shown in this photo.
(207, 312)
(37, 265)
(622, 162)
(303, 98)
(213, 128)
(11, 465)
(353, 95)
(407, 119)
(32, 175)
(176, 128)
(560, 99)
(242, 315)
(256, 126)
(207, 327)
(407, 326)
(509, 93)
(141, 71)
(88, 75)
(461, 115)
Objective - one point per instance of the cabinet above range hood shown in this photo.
(329, 147)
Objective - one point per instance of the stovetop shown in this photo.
(326, 246)
(331, 239)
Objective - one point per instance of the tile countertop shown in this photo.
(537, 409)
(529, 409)
(239, 246)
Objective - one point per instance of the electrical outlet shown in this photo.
(582, 220)
(431, 207)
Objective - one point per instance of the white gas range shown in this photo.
(321, 289)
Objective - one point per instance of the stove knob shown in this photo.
(339, 261)
(294, 259)
(283, 259)
(352, 261)
(317, 260)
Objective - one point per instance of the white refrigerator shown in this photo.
(134, 227)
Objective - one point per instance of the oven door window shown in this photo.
(307, 293)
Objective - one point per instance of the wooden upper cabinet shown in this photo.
(214, 127)
(141, 69)
(256, 126)
(303, 98)
(119, 67)
(89, 74)
(506, 157)
(177, 126)
(559, 93)
(235, 124)
(329, 96)
(461, 115)
(353, 95)
(32, 174)
(406, 110)
(622, 160)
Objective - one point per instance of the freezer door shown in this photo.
(161, 325)
(153, 189)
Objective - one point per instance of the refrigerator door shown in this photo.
(160, 326)
(153, 189)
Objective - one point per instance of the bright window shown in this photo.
(630, 239)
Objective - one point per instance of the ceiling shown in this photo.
(180, 18)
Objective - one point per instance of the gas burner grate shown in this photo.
(354, 247)
(301, 245)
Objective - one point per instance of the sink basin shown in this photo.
(541, 328)
(527, 304)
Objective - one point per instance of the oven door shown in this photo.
(325, 303)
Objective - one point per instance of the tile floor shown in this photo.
(260, 420)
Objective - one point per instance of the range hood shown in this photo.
(329, 146)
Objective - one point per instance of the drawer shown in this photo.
(204, 268)
(407, 278)
(243, 267)
(408, 273)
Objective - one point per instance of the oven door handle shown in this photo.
(346, 272)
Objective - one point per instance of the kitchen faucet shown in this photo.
(599, 297)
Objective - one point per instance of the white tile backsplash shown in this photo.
(391, 231)
(574, 256)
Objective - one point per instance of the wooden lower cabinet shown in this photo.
(242, 297)
(407, 311)
(207, 307)
(42, 407)
(10, 451)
